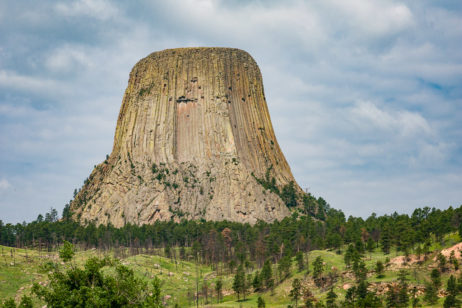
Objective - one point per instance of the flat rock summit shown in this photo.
(193, 140)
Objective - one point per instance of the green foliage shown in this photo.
(370, 245)
(296, 291)
(300, 262)
(261, 302)
(9, 303)
(430, 293)
(360, 270)
(284, 265)
(89, 287)
(379, 268)
(385, 241)
(239, 282)
(403, 297)
(453, 260)
(452, 287)
(360, 296)
(66, 253)
(26, 302)
(318, 268)
(289, 194)
(219, 290)
(267, 275)
(331, 297)
(442, 262)
(436, 277)
(257, 282)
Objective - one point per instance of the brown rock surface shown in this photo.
(192, 136)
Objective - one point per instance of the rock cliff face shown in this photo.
(193, 140)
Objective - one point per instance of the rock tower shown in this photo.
(193, 140)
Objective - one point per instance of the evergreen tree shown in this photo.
(67, 252)
(318, 267)
(403, 297)
(260, 302)
(442, 262)
(391, 297)
(451, 302)
(453, 260)
(370, 246)
(284, 267)
(452, 286)
(330, 299)
(309, 298)
(256, 282)
(348, 256)
(300, 261)
(239, 282)
(379, 268)
(436, 278)
(430, 293)
(385, 241)
(295, 293)
(267, 275)
(219, 289)
(360, 270)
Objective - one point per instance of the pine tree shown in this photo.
(436, 278)
(67, 252)
(300, 261)
(256, 282)
(349, 255)
(430, 293)
(284, 267)
(452, 286)
(260, 302)
(239, 282)
(385, 241)
(379, 268)
(267, 275)
(295, 293)
(330, 299)
(391, 297)
(451, 302)
(453, 260)
(403, 297)
(318, 267)
(442, 262)
(218, 289)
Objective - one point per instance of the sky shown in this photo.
(365, 96)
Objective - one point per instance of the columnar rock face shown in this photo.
(193, 140)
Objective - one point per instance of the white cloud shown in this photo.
(13, 80)
(372, 18)
(4, 184)
(407, 124)
(99, 9)
(67, 58)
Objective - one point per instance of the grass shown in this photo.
(20, 268)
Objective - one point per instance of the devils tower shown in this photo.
(193, 140)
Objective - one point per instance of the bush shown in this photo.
(89, 287)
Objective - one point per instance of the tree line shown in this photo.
(230, 242)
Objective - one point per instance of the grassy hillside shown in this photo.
(20, 268)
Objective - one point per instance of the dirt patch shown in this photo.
(402, 261)
(457, 248)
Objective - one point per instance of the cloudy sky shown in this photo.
(365, 96)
